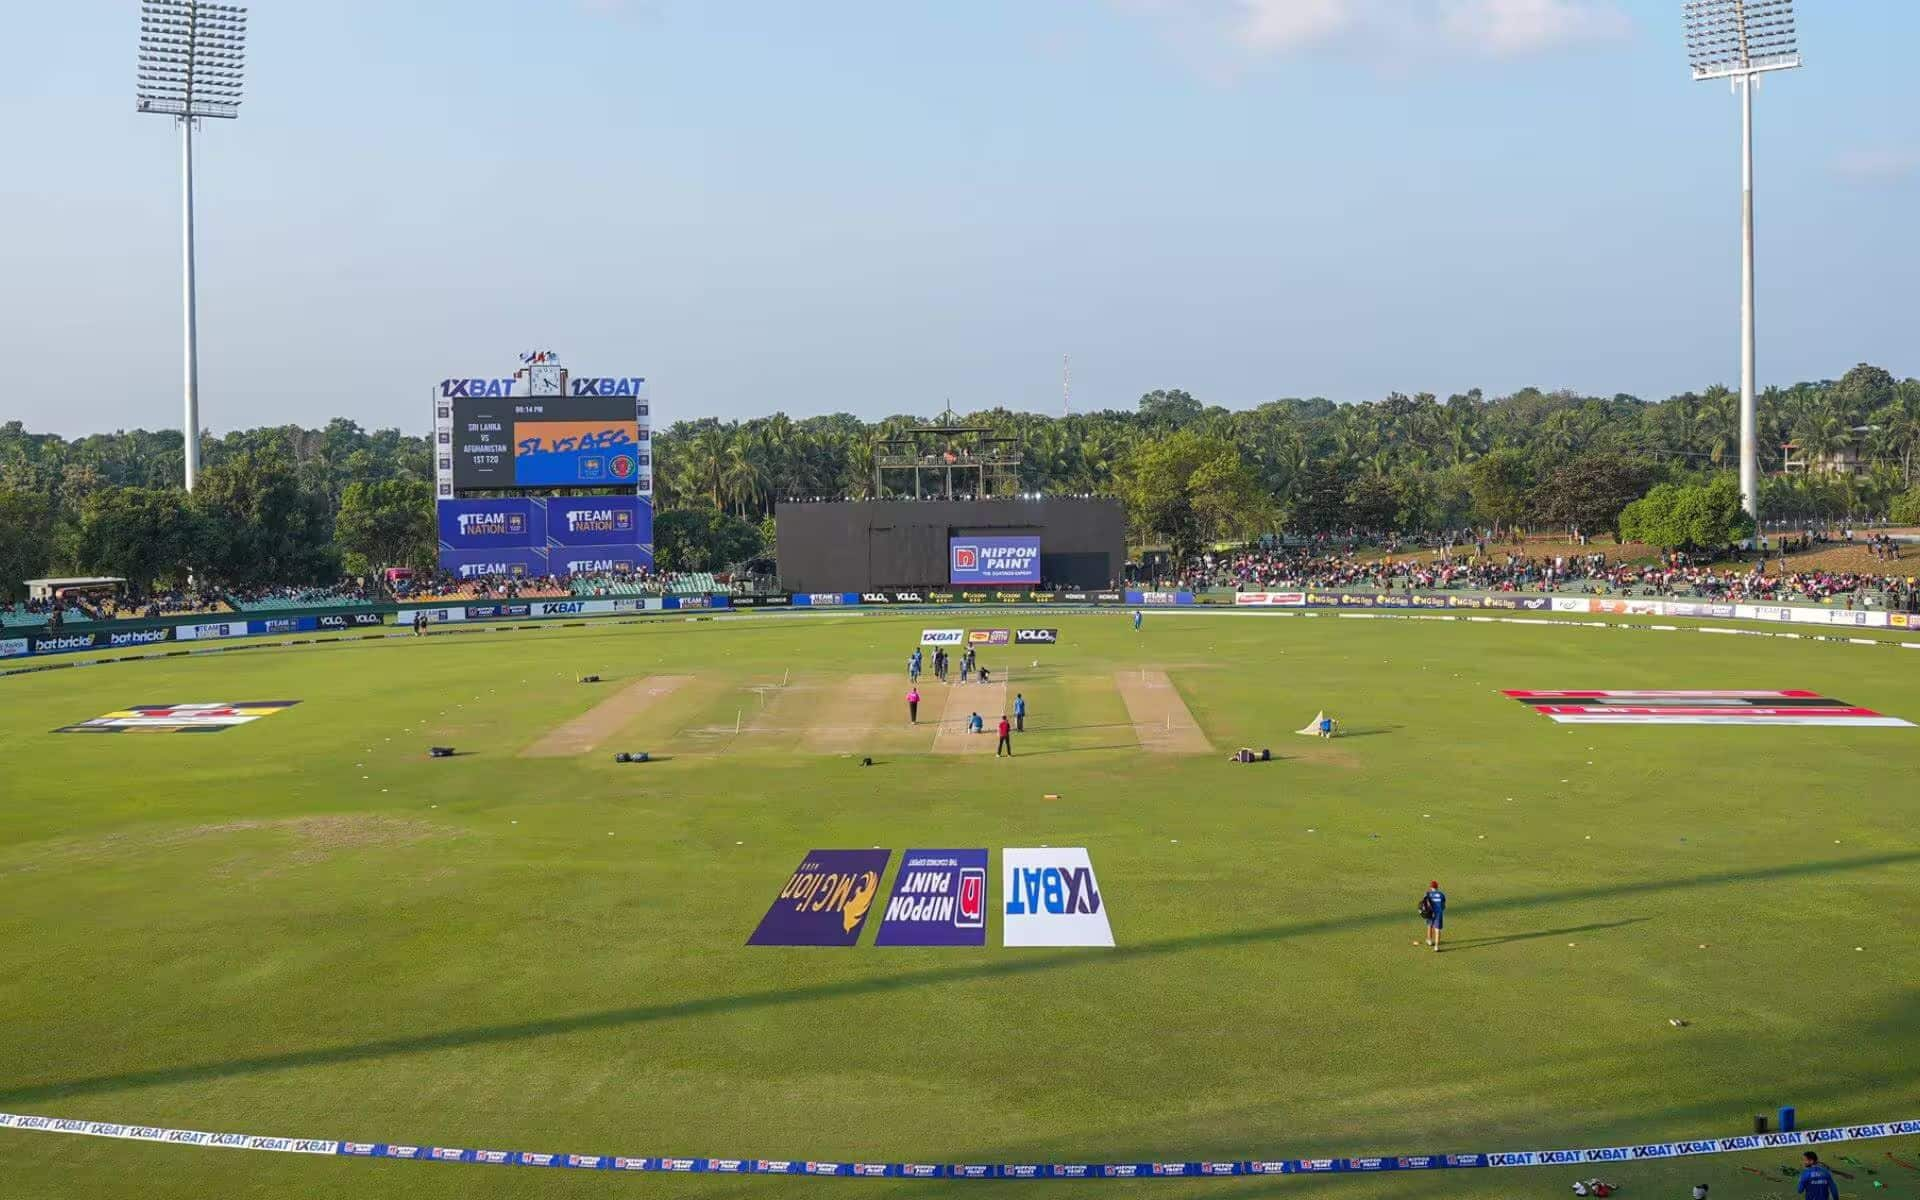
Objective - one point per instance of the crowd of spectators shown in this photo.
(1471, 563)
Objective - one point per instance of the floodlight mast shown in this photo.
(1741, 40)
(192, 59)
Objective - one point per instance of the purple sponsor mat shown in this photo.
(939, 899)
(826, 900)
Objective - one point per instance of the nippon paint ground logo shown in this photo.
(939, 899)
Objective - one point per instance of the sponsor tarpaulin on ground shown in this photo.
(1049, 898)
(1036, 637)
(942, 637)
(993, 559)
(1682, 707)
(180, 718)
(988, 637)
(825, 901)
(939, 899)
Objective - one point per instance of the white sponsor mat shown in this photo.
(1049, 897)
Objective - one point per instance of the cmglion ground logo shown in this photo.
(825, 901)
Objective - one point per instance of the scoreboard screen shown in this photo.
(546, 441)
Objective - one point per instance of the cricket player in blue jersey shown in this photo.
(1816, 1182)
(1138, 616)
(1433, 906)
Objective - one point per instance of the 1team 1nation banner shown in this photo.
(1733, 707)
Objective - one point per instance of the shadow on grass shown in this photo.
(1487, 943)
(1013, 965)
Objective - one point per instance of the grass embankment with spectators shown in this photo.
(305, 926)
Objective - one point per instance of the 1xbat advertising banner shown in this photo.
(939, 899)
(1049, 898)
(825, 901)
(993, 559)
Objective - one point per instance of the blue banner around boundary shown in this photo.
(896, 1170)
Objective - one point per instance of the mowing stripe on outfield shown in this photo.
(587, 731)
(896, 1170)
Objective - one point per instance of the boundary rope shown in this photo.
(902, 1170)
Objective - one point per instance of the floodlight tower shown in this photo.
(1740, 40)
(192, 57)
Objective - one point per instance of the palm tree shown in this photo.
(741, 474)
(1717, 422)
(706, 464)
(1897, 428)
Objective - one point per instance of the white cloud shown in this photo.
(1512, 28)
(1877, 166)
(1285, 25)
(1392, 31)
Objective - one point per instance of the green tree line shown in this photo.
(286, 504)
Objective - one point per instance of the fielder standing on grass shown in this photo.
(1433, 906)
(1816, 1181)
(1019, 712)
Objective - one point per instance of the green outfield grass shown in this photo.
(303, 926)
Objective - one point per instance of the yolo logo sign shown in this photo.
(1050, 898)
(939, 899)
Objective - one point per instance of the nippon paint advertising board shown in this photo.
(939, 899)
(993, 559)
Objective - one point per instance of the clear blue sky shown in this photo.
(874, 206)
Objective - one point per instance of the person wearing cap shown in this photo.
(1816, 1182)
(1433, 906)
